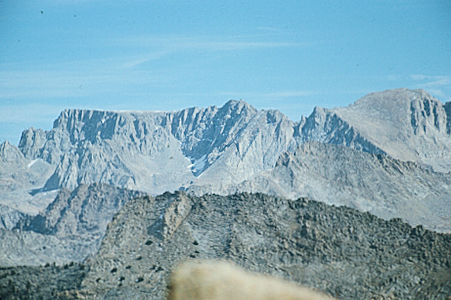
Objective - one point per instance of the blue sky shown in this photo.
(167, 54)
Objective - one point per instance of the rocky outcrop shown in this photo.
(10, 154)
(177, 210)
(32, 141)
(20, 177)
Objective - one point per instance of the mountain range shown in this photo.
(66, 190)
(239, 148)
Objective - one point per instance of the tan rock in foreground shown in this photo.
(217, 280)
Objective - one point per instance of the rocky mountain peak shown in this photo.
(318, 116)
(92, 125)
(10, 153)
(238, 106)
(413, 110)
(32, 141)
(165, 151)
(410, 125)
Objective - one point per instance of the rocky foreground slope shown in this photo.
(340, 251)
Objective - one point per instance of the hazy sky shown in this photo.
(167, 54)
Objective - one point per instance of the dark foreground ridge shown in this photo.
(47, 282)
(337, 250)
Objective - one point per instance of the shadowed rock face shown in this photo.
(448, 117)
(84, 212)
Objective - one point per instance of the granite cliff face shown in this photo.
(155, 152)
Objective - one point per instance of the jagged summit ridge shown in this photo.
(97, 146)
(218, 149)
(325, 126)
